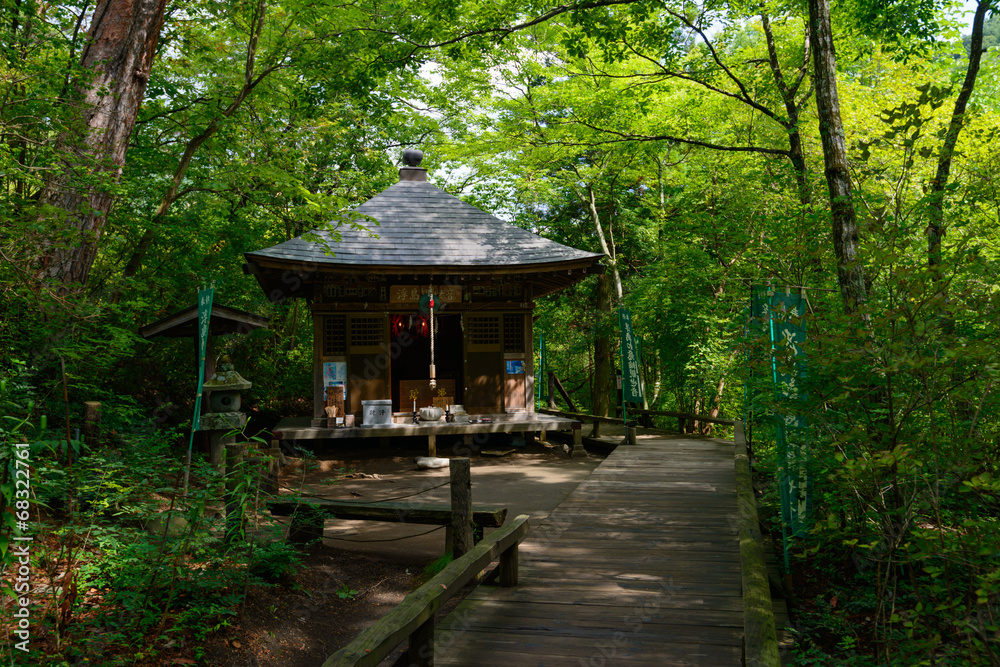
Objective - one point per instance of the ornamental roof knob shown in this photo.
(412, 157)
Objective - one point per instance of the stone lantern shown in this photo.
(224, 403)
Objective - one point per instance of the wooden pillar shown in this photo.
(596, 433)
(319, 400)
(578, 450)
(461, 505)
(552, 390)
(630, 434)
(431, 444)
(92, 423)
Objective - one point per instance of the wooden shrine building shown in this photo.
(367, 291)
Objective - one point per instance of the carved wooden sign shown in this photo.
(412, 293)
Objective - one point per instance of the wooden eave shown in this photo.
(282, 279)
(224, 320)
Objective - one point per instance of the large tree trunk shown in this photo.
(77, 196)
(609, 290)
(850, 273)
(603, 349)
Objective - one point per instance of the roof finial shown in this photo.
(412, 157)
(412, 172)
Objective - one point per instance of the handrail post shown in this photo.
(508, 566)
(421, 645)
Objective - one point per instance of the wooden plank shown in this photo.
(417, 608)
(491, 650)
(635, 625)
(474, 611)
(728, 579)
(487, 516)
(663, 592)
(584, 558)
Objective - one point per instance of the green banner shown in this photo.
(204, 320)
(631, 379)
(782, 314)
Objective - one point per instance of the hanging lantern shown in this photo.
(396, 325)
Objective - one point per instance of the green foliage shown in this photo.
(345, 592)
(275, 562)
(436, 565)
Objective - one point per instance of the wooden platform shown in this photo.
(299, 428)
(639, 566)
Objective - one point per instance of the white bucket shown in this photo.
(376, 413)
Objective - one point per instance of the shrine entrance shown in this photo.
(410, 334)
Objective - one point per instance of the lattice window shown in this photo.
(484, 330)
(513, 332)
(367, 331)
(334, 335)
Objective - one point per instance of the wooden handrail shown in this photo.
(760, 638)
(438, 515)
(581, 416)
(413, 618)
(617, 420)
(688, 417)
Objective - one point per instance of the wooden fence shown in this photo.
(413, 618)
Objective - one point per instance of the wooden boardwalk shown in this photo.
(639, 566)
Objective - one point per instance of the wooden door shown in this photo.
(483, 364)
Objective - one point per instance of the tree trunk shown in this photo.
(603, 350)
(935, 226)
(607, 248)
(788, 92)
(77, 196)
(850, 274)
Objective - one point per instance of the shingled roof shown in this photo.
(414, 226)
(419, 225)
